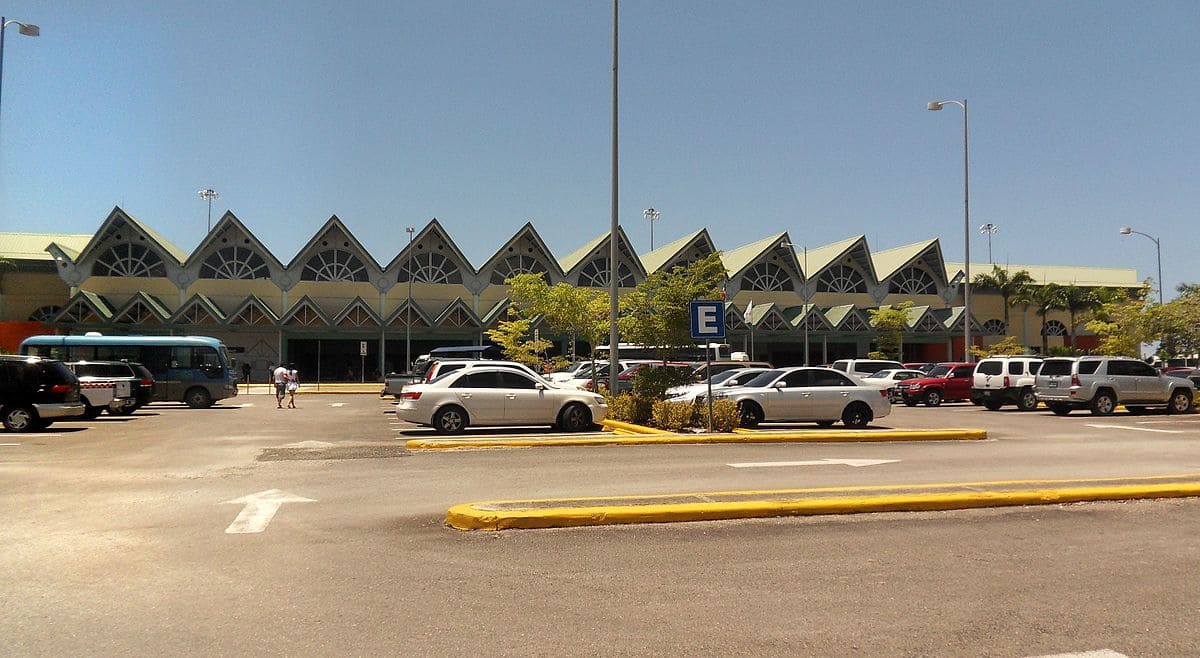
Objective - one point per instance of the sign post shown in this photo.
(707, 323)
(362, 361)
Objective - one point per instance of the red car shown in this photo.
(945, 382)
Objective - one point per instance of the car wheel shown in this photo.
(857, 415)
(90, 412)
(933, 398)
(1103, 404)
(1181, 403)
(450, 420)
(574, 418)
(749, 414)
(19, 418)
(1027, 401)
(993, 405)
(1059, 409)
(197, 398)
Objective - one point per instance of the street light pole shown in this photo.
(1125, 230)
(27, 29)
(934, 106)
(989, 229)
(613, 335)
(209, 194)
(408, 307)
(652, 215)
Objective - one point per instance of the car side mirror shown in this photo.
(540, 386)
(780, 385)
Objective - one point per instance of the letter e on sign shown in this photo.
(707, 320)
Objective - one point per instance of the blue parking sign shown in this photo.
(708, 320)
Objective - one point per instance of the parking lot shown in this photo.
(249, 529)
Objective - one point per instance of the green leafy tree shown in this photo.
(1010, 345)
(578, 312)
(513, 336)
(656, 311)
(1043, 299)
(1077, 301)
(890, 323)
(1121, 322)
(1010, 286)
(1177, 324)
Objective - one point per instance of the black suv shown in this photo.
(35, 392)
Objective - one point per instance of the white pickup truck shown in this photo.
(104, 385)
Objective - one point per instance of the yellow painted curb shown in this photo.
(477, 516)
(614, 425)
(847, 436)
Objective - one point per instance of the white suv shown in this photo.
(1001, 380)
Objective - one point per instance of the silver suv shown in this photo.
(1100, 383)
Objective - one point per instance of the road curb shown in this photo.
(667, 438)
(487, 516)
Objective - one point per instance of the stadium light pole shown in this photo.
(209, 194)
(935, 106)
(1125, 230)
(27, 29)
(652, 216)
(408, 307)
(989, 229)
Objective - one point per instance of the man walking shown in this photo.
(281, 379)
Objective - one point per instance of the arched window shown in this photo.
(912, 281)
(841, 279)
(994, 327)
(514, 265)
(135, 260)
(334, 265)
(768, 277)
(595, 275)
(234, 263)
(1055, 328)
(430, 268)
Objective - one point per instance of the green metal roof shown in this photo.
(1113, 277)
(32, 246)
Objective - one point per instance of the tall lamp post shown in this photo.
(208, 194)
(652, 216)
(1125, 230)
(408, 307)
(27, 29)
(934, 106)
(989, 229)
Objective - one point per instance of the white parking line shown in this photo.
(1139, 429)
(10, 444)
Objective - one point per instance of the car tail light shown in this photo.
(60, 388)
(1074, 380)
(410, 395)
(146, 382)
(884, 392)
(1006, 384)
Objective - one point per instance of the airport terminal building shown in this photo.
(332, 301)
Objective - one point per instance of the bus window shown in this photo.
(117, 352)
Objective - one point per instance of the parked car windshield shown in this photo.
(764, 379)
(938, 371)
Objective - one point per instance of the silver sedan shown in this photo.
(819, 395)
(490, 396)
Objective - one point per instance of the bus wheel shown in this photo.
(197, 398)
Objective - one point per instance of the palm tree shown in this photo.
(1009, 286)
(1043, 299)
(1076, 301)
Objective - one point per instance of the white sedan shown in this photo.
(887, 379)
(497, 396)
(727, 379)
(820, 395)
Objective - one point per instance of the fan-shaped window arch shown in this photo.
(1055, 328)
(429, 268)
(994, 327)
(912, 281)
(45, 313)
(514, 265)
(595, 275)
(334, 265)
(128, 259)
(841, 279)
(234, 263)
(767, 276)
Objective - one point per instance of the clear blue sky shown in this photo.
(747, 118)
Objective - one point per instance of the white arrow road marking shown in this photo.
(308, 444)
(1139, 429)
(818, 462)
(337, 404)
(259, 509)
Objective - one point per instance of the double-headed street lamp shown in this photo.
(989, 229)
(1125, 230)
(934, 106)
(651, 216)
(208, 194)
(27, 29)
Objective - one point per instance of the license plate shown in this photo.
(122, 389)
(1053, 383)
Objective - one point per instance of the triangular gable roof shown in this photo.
(219, 231)
(496, 312)
(457, 314)
(770, 318)
(142, 308)
(855, 248)
(578, 259)
(740, 258)
(253, 311)
(848, 317)
(357, 314)
(88, 302)
(313, 245)
(890, 261)
(195, 308)
(568, 262)
(669, 253)
(810, 314)
(541, 252)
(305, 313)
(66, 251)
(434, 227)
(118, 220)
(734, 318)
(952, 319)
(399, 317)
